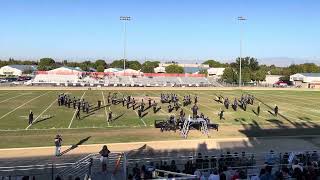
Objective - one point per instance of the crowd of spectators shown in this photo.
(233, 166)
(229, 166)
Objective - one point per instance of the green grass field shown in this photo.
(298, 109)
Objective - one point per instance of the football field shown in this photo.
(298, 109)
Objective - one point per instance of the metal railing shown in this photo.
(85, 167)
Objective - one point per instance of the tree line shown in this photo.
(251, 69)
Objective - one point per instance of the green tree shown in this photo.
(310, 68)
(46, 64)
(134, 65)
(100, 62)
(229, 75)
(246, 75)
(294, 68)
(213, 63)
(174, 69)
(100, 68)
(118, 64)
(260, 75)
(148, 66)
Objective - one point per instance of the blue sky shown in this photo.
(160, 29)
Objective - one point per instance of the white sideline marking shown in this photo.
(23, 105)
(166, 141)
(105, 108)
(41, 114)
(11, 98)
(74, 114)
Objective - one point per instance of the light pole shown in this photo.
(240, 18)
(124, 19)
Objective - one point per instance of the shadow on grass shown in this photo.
(74, 146)
(118, 116)
(42, 120)
(83, 117)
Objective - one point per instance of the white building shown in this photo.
(160, 69)
(17, 70)
(215, 72)
(188, 68)
(112, 70)
(64, 70)
(271, 79)
(308, 80)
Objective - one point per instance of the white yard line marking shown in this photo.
(105, 107)
(41, 114)
(140, 118)
(251, 115)
(281, 100)
(4, 93)
(144, 123)
(166, 113)
(294, 108)
(285, 115)
(74, 114)
(11, 98)
(303, 100)
(22, 105)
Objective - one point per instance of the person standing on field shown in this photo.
(78, 113)
(276, 110)
(258, 109)
(30, 117)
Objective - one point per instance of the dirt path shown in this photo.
(290, 143)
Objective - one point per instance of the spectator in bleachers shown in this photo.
(188, 167)
(103, 174)
(213, 161)
(268, 174)
(198, 174)
(271, 158)
(173, 166)
(214, 175)
(136, 171)
(314, 156)
(226, 173)
(58, 142)
(297, 165)
(285, 173)
(297, 174)
(104, 155)
(199, 161)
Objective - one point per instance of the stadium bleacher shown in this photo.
(234, 165)
(112, 80)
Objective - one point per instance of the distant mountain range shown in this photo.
(278, 61)
(286, 61)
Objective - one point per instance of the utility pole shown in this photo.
(124, 19)
(240, 19)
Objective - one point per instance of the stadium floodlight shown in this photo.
(124, 19)
(240, 19)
